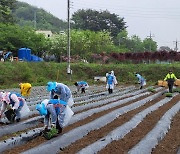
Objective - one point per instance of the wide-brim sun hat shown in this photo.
(51, 86)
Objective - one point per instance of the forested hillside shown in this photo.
(38, 18)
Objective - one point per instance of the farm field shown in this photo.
(127, 121)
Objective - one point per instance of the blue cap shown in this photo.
(51, 86)
(42, 109)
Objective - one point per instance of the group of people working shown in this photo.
(112, 81)
(54, 110)
(58, 107)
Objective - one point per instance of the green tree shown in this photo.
(121, 38)
(98, 21)
(83, 43)
(58, 45)
(136, 44)
(6, 7)
(14, 37)
(149, 45)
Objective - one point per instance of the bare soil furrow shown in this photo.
(97, 134)
(93, 122)
(171, 142)
(132, 138)
(37, 141)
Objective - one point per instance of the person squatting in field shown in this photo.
(111, 81)
(15, 102)
(62, 90)
(60, 100)
(53, 108)
(81, 85)
(141, 80)
(25, 89)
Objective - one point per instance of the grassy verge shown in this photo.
(39, 74)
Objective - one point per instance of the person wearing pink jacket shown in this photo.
(15, 101)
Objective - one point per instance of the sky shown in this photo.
(159, 19)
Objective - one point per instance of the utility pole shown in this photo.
(150, 36)
(69, 71)
(176, 45)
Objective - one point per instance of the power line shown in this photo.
(134, 12)
(100, 5)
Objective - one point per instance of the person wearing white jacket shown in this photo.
(111, 81)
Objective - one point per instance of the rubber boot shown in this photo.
(109, 90)
(58, 127)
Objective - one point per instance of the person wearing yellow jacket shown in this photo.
(170, 78)
(25, 89)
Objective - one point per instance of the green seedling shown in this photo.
(168, 94)
(50, 134)
(151, 89)
(176, 90)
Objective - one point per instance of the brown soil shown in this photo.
(171, 142)
(132, 138)
(40, 139)
(168, 145)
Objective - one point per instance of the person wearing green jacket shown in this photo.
(170, 78)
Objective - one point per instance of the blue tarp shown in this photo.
(25, 55)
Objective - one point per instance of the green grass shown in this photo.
(38, 74)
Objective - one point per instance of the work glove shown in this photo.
(10, 115)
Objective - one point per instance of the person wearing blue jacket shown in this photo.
(81, 85)
(53, 108)
(141, 80)
(59, 89)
